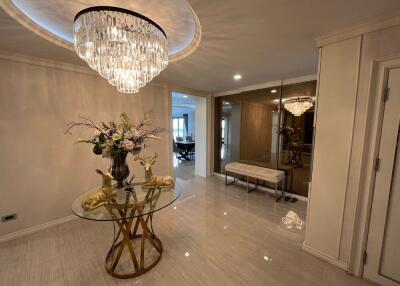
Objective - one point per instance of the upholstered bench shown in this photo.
(259, 173)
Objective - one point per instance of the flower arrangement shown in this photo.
(116, 141)
(111, 138)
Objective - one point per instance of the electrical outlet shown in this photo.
(9, 217)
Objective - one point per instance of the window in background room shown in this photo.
(178, 127)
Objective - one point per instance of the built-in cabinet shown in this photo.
(349, 104)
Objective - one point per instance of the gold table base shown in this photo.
(125, 239)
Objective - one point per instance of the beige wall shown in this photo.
(338, 209)
(41, 170)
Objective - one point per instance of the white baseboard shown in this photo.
(267, 190)
(33, 229)
(325, 257)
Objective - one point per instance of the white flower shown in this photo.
(128, 145)
(130, 134)
(96, 134)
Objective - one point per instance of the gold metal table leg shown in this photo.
(142, 230)
(137, 254)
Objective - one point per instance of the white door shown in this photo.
(383, 248)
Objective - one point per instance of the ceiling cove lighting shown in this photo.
(298, 106)
(237, 77)
(126, 48)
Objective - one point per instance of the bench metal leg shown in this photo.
(278, 198)
(248, 186)
(226, 179)
(283, 185)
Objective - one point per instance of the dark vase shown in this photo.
(119, 169)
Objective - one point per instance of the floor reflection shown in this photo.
(183, 169)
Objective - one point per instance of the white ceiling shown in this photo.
(264, 40)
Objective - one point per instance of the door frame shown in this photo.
(372, 136)
(191, 92)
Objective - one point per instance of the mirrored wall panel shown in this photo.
(271, 128)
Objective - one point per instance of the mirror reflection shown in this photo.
(271, 128)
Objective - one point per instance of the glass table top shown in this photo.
(129, 202)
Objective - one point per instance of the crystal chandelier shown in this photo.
(124, 47)
(298, 106)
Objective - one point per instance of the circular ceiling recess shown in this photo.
(54, 20)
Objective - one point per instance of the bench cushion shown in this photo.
(266, 174)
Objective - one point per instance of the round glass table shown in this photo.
(131, 209)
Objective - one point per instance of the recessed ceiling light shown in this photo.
(185, 96)
(226, 103)
(187, 254)
(273, 90)
(237, 77)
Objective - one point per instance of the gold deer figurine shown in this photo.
(154, 181)
(103, 194)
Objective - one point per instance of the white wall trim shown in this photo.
(4, 55)
(375, 24)
(36, 228)
(9, 56)
(325, 257)
(268, 84)
(186, 90)
(264, 189)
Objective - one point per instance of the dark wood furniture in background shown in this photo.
(188, 149)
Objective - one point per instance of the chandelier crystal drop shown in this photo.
(298, 106)
(124, 47)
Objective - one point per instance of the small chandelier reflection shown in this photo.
(126, 48)
(298, 106)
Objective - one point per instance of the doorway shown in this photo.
(383, 253)
(189, 127)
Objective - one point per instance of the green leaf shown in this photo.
(83, 141)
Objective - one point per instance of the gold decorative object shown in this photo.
(129, 205)
(104, 194)
(154, 181)
(135, 246)
(136, 224)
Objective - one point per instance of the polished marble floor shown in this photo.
(183, 169)
(213, 235)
